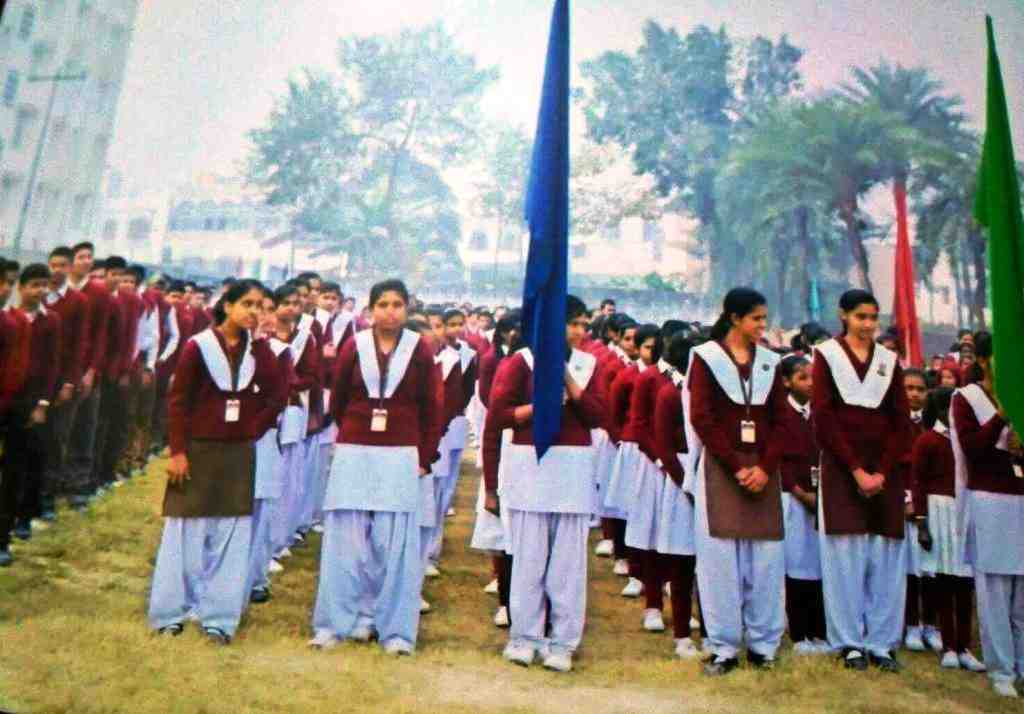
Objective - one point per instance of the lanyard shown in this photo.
(748, 394)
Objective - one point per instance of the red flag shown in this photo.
(904, 307)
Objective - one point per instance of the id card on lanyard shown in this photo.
(748, 428)
(233, 407)
(379, 418)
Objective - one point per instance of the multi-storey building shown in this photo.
(62, 64)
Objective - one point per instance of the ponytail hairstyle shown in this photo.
(677, 353)
(233, 294)
(739, 302)
(982, 350)
(852, 299)
(936, 409)
(511, 320)
(790, 364)
(646, 332)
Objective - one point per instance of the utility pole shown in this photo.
(31, 187)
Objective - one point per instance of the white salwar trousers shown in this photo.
(202, 566)
(261, 548)
(1000, 602)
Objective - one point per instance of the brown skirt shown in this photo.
(221, 484)
(735, 512)
(847, 512)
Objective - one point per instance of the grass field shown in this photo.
(73, 638)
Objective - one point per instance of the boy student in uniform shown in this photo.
(861, 421)
(805, 604)
(736, 405)
(24, 456)
(919, 618)
(549, 502)
(952, 582)
(674, 536)
(227, 392)
(385, 402)
(990, 501)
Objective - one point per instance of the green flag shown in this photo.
(997, 207)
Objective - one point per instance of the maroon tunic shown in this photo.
(670, 430)
(799, 450)
(854, 437)
(415, 413)
(934, 470)
(196, 406)
(988, 468)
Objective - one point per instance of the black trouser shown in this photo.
(59, 419)
(953, 597)
(805, 609)
(23, 463)
(111, 430)
(158, 429)
(920, 602)
(81, 454)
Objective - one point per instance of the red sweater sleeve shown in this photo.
(704, 419)
(669, 439)
(975, 437)
(591, 407)
(181, 398)
(488, 366)
(641, 412)
(273, 384)
(431, 405)
(900, 439)
(342, 380)
(824, 406)
(53, 342)
(506, 393)
(469, 383)
(619, 396)
(100, 305)
(777, 402)
(307, 367)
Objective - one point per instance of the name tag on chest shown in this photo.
(379, 420)
(1018, 471)
(748, 432)
(232, 410)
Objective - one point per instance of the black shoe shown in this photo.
(6, 559)
(887, 664)
(217, 637)
(854, 659)
(259, 595)
(23, 530)
(759, 661)
(719, 667)
(173, 630)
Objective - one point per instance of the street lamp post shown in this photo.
(30, 188)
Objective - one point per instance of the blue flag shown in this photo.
(547, 213)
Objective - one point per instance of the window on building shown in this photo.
(11, 87)
(22, 122)
(110, 230)
(28, 21)
(78, 210)
(478, 241)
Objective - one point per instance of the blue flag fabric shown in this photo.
(547, 214)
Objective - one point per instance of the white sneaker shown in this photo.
(274, 567)
(1004, 688)
(361, 633)
(521, 654)
(285, 553)
(706, 649)
(933, 638)
(634, 588)
(604, 549)
(621, 567)
(653, 621)
(694, 623)
(950, 661)
(431, 571)
(424, 606)
(558, 662)
(397, 647)
(324, 640)
(318, 528)
(492, 587)
(501, 617)
(450, 513)
(913, 641)
(822, 646)
(969, 662)
(805, 648)
(685, 649)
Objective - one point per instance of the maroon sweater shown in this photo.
(101, 305)
(118, 318)
(415, 411)
(934, 469)
(196, 406)
(619, 397)
(73, 308)
(641, 409)
(41, 380)
(16, 333)
(669, 430)
(716, 418)
(988, 468)
(799, 450)
(488, 368)
(133, 308)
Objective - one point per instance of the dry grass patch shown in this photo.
(73, 638)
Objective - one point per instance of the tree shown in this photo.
(359, 155)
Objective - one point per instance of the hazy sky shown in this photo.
(203, 72)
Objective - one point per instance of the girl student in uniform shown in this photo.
(805, 605)
(625, 469)
(990, 503)
(385, 401)
(861, 421)
(227, 393)
(951, 581)
(674, 537)
(736, 404)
